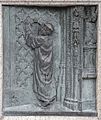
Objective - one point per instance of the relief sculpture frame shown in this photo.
(98, 57)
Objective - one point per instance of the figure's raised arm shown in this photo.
(35, 41)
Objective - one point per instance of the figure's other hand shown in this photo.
(29, 40)
(43, 38)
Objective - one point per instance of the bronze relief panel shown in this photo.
(49, 60)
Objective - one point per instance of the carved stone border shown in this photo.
(54, 3)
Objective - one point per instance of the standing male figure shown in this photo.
(43, 81)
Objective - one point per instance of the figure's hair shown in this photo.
(46, 29)
(50, 26)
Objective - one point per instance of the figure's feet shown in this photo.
(46, 104)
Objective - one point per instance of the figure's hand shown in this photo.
(29, 40)
(43, 38)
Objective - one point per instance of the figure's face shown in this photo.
(44, 30)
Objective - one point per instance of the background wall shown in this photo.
(54, 3)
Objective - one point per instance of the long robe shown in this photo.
(43, 83)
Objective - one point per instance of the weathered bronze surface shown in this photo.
(49, 59)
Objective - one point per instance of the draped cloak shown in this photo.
(43, 81)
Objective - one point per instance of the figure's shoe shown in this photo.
(46, 104)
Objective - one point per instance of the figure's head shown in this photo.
(46, 29)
